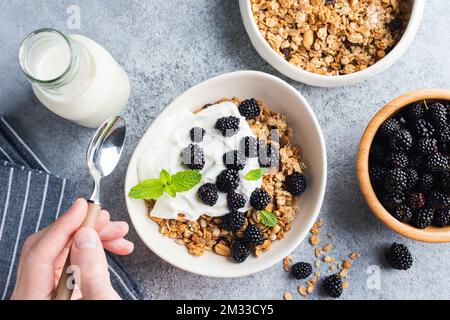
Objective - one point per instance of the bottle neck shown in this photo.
(49, 58)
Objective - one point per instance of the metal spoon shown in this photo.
(102, 156)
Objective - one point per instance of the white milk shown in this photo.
(75, 77)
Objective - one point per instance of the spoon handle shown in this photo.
(65, 288)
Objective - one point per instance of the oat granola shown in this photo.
(331, 37)
(206, 234)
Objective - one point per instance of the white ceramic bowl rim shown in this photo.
(288, 247)
(324, 80)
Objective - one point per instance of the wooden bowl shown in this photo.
(430, 234)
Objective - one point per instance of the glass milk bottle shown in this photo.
(74, 76)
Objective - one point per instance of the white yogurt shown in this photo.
(172, 136)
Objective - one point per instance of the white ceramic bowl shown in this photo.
(279, 96)
(296, 73)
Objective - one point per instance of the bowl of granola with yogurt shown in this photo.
(330, 43)
(230, 177)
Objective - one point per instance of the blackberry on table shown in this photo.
(228, 126)
(249, 146)
(235, 201)
(240, 251)
(249, 109)
(401, 141)
(295, 183)
(415, 112)
(399, 257)
(193, 157)
(377, 175)
(302, 270)
(228, 180)
(437, 162)
(233, 221)
(234, 160)
(197, 134)
(437, 114)
(389, 127)
(427, 146)
(260, 199)
(398, 160)
(422, 218)
(413, 178)
(442, 217)
(422, 129)
(208, 194)
(438, 200)
(396, 180)
(402, 213)
(253, 235)
(416, 200)
(333, 286)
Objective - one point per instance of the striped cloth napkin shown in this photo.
(30, 199)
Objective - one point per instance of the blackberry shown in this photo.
(377, 175)
(240, 251)
(260, 199)
(389, 127)
(377, 154)
(422, 129)
(397, 160)
(396, 24)
(401, 141)
(437, 163)
(295, 184)
(399, 257)
(413, 178)
(438, 200)
(427, 146)
(233, 221)
(402, 213)
(442, 217)
(415, 112)
(396, 180)
(416, 200)
(249, 109)
(249, 147)
(228, 126)
(197, 134)
(422, 218)
(426, 182)
(228, 180)
(193, 157)
(235, 201)
(208, 194)
(443, 135)
(393, 199)
(234, 160)
(301, 270)
(269, 155)
(333, 286)
(437, 114)
(253, 235)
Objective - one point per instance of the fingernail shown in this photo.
(86, 239)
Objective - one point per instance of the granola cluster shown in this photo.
(206, 234)
(331, 37)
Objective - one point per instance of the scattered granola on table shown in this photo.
(209, 234)
(331, 37)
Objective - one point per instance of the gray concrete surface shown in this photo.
(168, 46)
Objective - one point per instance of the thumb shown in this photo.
(88, 256)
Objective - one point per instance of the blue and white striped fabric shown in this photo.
(30, 199)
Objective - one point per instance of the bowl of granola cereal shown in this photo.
(329, 43)
(199, 239)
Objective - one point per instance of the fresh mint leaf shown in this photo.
(269, 219)
(170, 189)
(255, 174)
(165, 177)
(185, 180)
(147, 189)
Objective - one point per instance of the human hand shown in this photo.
(44, 253)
